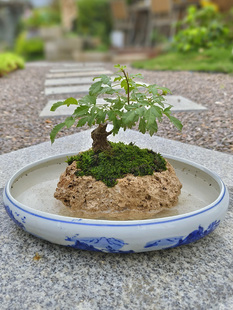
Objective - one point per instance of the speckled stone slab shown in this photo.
(83, 64)
(77, 73)
(70, 89)
(178, 105)
(79, 69)
(181, 103)
(69, 81)
(35, 274)
(63, 110)
(67, 89)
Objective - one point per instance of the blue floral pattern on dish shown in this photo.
(177, 241)
(101, 244)
(11, 215)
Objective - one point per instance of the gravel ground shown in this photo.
(22, 99)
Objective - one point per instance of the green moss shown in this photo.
(108, 166)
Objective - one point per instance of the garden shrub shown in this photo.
(29, 48)
(10, 62)
(201, 28)
(42, 17)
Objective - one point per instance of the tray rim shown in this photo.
(97, 222)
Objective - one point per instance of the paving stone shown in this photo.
(181, 103)
(77, 73)
(79, 69)
(70, 81)
(63, 110)
(67, 89)
(178, 105)
(70, 89)
(83, 64)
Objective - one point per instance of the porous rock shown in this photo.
(131, 198)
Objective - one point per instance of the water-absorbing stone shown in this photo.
(132, 198)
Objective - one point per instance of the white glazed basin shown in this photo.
(28, 200)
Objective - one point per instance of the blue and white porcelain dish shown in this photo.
(29, 202)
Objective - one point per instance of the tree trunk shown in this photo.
(99, 136)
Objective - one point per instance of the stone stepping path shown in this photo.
(84, 64)
(179, 104)
(80, 69)
(70, 81)
(77, 73)
(63, 110)
(77, 79)
(69, 89)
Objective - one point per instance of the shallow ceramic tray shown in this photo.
(28, 200)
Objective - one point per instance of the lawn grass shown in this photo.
(10, 62)
(213, 60)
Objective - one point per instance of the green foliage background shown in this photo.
(29, 48)
(202, 28)
(94, 19)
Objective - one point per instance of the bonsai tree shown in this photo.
(138, 103)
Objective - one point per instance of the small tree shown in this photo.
(122, 109)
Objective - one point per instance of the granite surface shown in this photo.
(36, 274)
(195, 276)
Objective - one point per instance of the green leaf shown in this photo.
(120, 67)
(152, 113)
(140, 111)
(152, 128)
(111, 115)
(81, 111)
(142, 125)
(82, 121)
(124, 85)
(164, 89)
(176, 122)
(90, 120)
(167, 110)
(70, 101)
(69, 121)
(107, 90)
(88, 99)
(116, 125)
(118, 78)
(55, 130)
(100, 116)
(92, 116)
(137, 75)
(129, 117)
(57, 105)
(105, 79)
(95, 88)
(153, 89)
